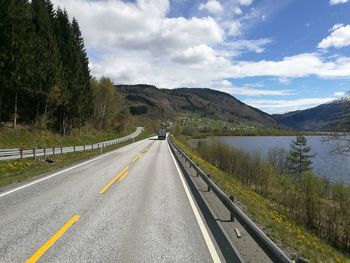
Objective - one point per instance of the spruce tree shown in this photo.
(3, 55)
(63, 95)
(299, 159)
(16, 42)
(45, 53)
(80, 77)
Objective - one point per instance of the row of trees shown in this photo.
(287, 179)
(44, 73)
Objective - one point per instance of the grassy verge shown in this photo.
(292, 237)
(16, 171)
(27, 138)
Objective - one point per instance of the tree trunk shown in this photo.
(15, 115)
(37, 108)
(1, 94)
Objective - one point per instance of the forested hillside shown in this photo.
(44, 71)
(147, 100)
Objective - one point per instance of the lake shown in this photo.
(325, 164)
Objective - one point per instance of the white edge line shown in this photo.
(206, 236)
(57, 173)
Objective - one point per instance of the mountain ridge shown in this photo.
(330, 116)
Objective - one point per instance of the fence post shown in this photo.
(21, 153)
(232, 198)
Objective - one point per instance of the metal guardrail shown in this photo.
(269, 247)
(17, 153)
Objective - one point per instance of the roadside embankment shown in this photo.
(272, 216)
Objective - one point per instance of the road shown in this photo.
(130, 205)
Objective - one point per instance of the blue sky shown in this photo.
(277, 56)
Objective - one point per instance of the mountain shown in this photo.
(330, 116)
(168, 103)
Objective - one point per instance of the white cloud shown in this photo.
(234, 28)
(237, 10)
(339, 93)
(335, 2)
(335, 27)
(226, 86)
(143, 25)
(340, 37)
(212, 6)
(138, 43)
(201, 54)
(302, 65)
(245, 2)
(281, 106)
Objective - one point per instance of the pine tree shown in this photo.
(299, 159)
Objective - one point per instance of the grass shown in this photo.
(20, 170)
(27, 138)
(285, 232)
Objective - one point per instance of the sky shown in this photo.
(278, 56)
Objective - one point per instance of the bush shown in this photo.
(312, 201)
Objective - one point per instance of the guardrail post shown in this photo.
(44, 153)
(21, 153)
(208, 184)
(84, 147)
(92, 146)
(73, 148)
(53, 151)
(33, 154)
(61, 150)
(232, 198)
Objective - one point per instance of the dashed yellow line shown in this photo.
(104, 189)
(52, 240)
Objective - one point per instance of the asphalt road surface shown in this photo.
(130, 205)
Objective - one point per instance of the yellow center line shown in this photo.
(142, 152)
(52, 240)
(104, 189)
(122, 178)
(137, 157)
